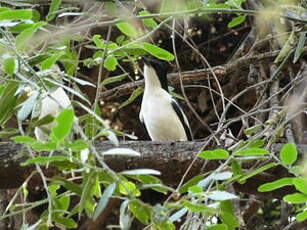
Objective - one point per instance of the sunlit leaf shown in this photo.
(54, 6)
(295, 198)
(257, 171)
(49, 62)
(110, 80)
(288, 153)
(215, 154)
(251, 152)
(300, 184)
(127, 29)
(64, 124)
(158, 52)
(44, 160)
(9, 65)
(149, 22)
(141, 210)
(301, 216)
(23, 139)
(15, 14)
(110, 63)
(236, 21)
(275, 184)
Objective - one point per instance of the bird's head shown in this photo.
(156, 70)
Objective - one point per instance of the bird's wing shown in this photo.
(182, 118)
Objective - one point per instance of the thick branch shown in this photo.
(191, 77)
(170, 158)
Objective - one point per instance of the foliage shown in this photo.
(29, 73)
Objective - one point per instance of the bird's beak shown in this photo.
(146, 60)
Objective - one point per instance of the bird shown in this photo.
(161, 114)
(52, 104)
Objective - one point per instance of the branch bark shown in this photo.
(171, 158)
(191, 77)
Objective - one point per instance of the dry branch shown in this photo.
(170, 158)
(191, 77)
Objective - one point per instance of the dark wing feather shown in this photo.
(181, 116)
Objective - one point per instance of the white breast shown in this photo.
(51, 105)
(161, 120)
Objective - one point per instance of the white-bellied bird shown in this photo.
(160, 112)
(51, 104)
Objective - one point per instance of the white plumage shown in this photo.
(158, 113)
(52, 105)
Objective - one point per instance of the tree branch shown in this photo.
(191, 77)
(170, 158)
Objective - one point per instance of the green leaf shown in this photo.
(102, 204)
(64, 124)
(300, 46)
(130, 188)
(23, 39)
(149, 22)
(184, 188)
(15, 15)
(236, 21)
(288, 153)
(195, 189)
(295, 198)
(23, 139)
(121, 152)
(65, 222)
(257, 171)
(301, 216)
(140, 210)
(137, 92)
(300, 184)
(228, 216)
(44, 160)
(236, 167)
(43, 146)
(217, 227)
(195, 207)
(158, 52)
(9, 65)
(127, 29)
(216, 154)
(251, 152)
(275, 184)
(110, 63)
(54, 6)
(63, 202)
(8, 100)
(110, 80)
(77, 145)
(70, 186)
(49, 62)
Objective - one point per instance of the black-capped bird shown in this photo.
(162, 115)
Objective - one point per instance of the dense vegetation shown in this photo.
(238, 66)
